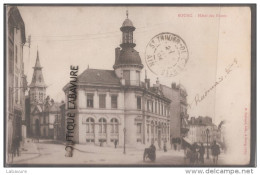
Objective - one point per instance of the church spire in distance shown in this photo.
(37, 63)
(37, 78)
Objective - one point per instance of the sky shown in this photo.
(88, 36)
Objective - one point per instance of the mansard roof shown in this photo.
(99, 76)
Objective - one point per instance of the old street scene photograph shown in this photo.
(127, 85)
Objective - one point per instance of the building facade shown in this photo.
(198, 130)
(114, 105)
(178, 110)
(16, 82)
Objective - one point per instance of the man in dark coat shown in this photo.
(152, 152)
(115, 142)
(202, 152)
(215, 152)
(16, 146)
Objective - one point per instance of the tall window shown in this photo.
(147, 104)
(102, 125)
(155, 107)
(126, 76)
(130, 37)
(139, 105)
(44, 132)
(139, 128)
(15, 53)
(137, 78)
(16, 89)
(159, 107)
(41, 96)
(152, 127)
(152, 105)
(114, 125)
(90, 100)
(102, 101)
(155, 127)
(114, 101)
(90, 125)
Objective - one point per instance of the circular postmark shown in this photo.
(166, 54)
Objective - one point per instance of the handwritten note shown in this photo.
(200, 97)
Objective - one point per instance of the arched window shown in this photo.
(90, 125)
(102, 125)
(114, 125)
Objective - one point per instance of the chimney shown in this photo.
(157, 81)
(117, 53)
(147, 81)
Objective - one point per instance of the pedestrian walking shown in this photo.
(115, 143)
(215, 152)
(16, 146)
(201, 152)
(164, 147)
(194, 154)
(175, 147)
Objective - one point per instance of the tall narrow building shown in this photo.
(16, 83)
(37, 95)
(44, 112)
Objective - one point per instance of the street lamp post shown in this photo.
(124, 139)
(207, 132)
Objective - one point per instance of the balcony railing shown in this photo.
(114, 135)
(90, 135)
(102, 135)
(132, 83)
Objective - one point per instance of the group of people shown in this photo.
(195, 154)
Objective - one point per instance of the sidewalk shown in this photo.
(111, 155)
(27, 151)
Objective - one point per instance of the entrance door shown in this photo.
(37, 128)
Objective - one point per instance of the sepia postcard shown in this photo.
(129, 85)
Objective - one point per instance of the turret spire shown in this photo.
(127, 14)
(37, 86)
(37, 79)
(37, 63)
